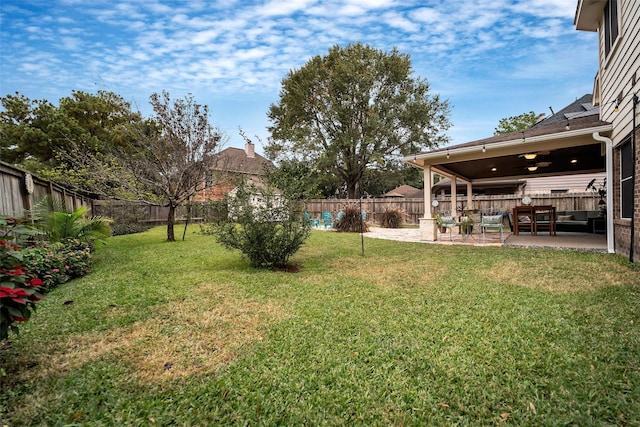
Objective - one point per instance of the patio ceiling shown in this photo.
(561, 149)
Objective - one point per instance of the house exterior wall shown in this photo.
(618, 69)
(618, 80)
(622, 226)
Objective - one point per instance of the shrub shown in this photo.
(46, 264)
(19, 289)
(351, 220)
(56, 264)
(392, 217)
(121, 228)
(263, 227)
(77, 256)
(126, 216)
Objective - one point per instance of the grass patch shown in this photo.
(187, 333)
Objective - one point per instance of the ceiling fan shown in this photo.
(532, 156)
(532, 167)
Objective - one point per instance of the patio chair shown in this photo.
(327, 219)
(492, 222)
(308, 219)
(449, 222)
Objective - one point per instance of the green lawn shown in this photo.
(187, 333)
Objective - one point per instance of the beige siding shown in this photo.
(571, 183)
(616, 71)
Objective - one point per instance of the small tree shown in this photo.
(263, 226)
(173, 155)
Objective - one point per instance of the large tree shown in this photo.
(172, 155)
(43, 138)
(516, 123)
(353, 109)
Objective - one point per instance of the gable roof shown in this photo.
(236, 160)
(406, 191)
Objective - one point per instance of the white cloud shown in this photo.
(239, 48)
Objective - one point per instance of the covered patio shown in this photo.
(577, 145)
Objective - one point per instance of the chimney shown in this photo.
(249, 149)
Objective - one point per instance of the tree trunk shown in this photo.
(171, 219)
(352, 190)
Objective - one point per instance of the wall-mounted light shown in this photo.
(523, 139)
(567, 127)
(574, 161)
(530, 156)
(494, 169)
(484, 149)
(448, 156)
(532, 168)
(616, 109)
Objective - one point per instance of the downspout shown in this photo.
(633, 174)
(609, 167)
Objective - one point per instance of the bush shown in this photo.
(19, 289)
(263, 227)
(46, 264)
(121, 228)
(392, 217)
(351, 220)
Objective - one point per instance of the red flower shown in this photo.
(19, 319)
(19, 300)
(36, 282)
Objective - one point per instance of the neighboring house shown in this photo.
(616, 91)
(233, 167)
(404, 192)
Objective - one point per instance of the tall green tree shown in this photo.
(53, 141)
(355, 108)
(24, 133)
(516, 123)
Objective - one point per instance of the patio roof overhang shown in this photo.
(579, 145)
(561, 149)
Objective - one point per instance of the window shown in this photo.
(610, 25)
(626, 180)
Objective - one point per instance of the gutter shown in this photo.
(609, 167)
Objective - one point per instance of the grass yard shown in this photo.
(187, 333)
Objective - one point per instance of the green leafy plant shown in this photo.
(19, 289)
(61, 223)
(263, 226)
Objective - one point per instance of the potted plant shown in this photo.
(466, 224)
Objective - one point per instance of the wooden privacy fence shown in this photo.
(374, 207)
(414, 208)
(20, 191)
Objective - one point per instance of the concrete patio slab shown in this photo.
(563, 240)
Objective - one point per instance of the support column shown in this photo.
(428, 224)
(469, 195)
(454, 195)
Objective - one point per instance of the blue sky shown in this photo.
(490, 58)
